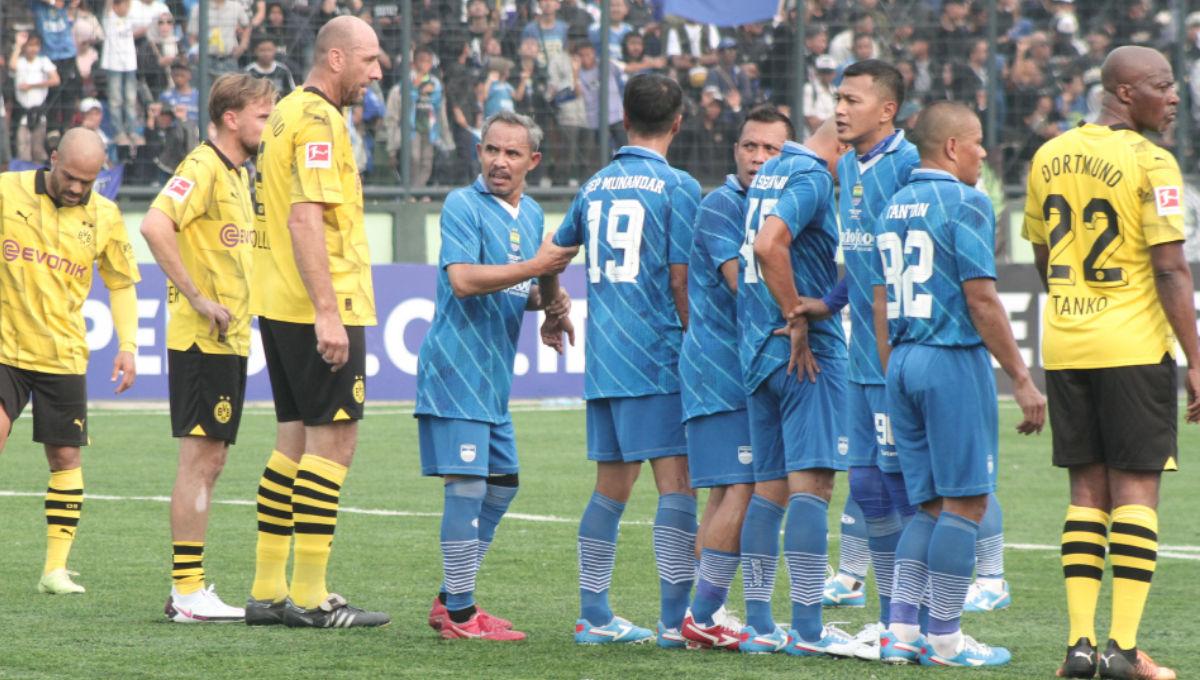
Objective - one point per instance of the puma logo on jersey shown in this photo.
(23, 216)
(79, 423)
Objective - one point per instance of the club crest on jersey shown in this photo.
(178, 188)
(1167, 200)
(856, 194)
(223, 411)
(745, 455)
(467, 452)
(843, 446)
(318, 154)
(360, 389)
(514, 240)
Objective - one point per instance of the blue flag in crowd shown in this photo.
(717, 11)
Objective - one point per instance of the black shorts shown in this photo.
(302, 383)
(207, 391)
(59, 404)
(1125, 417)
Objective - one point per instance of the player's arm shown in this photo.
(771, 249)
(1173, 281)
(880, 319)
(991, 322)
(307, 227)
(682, 224)
(819, 309)
(678, 282)
(558, 314)
(159, 231)
(118, 269)
(1041, 260)
(480, 279)
(729, 272)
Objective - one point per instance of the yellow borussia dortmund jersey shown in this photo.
(208, 199)
(1099, 198)
(46, 271)
(305, 157)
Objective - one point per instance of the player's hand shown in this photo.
(1033, 406)
(814, 309)
(1192, 385)
(560, 306)
(552, 331)
(332, 342)
(553, 259)
(801, 359)
(125, 368)
(217, 314)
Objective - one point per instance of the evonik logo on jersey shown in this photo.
(233, 235)
(13, 251)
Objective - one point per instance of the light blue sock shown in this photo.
(854, 557)
(760, 556)
(597, 555)
(989, 549)
(675, 554)
(912, 570)
(805, 548)
(885, 535)
(717, 569)
(460, 541)
(951, 561)
(495, 504)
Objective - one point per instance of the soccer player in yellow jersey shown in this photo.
(53, 228)
(1105, 216)
(200, 229)
(312, 291)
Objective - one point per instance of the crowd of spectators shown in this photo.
(126, 68)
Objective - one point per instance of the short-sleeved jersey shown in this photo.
(305, 157)
(1099, 198)
(46, 271)
(868, 182)
(635, 218)
(935, 234)
(708, 363)
(465, 365)
(796, 187)
(208, 199)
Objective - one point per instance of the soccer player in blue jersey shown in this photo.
(714, 401)
(942, 316)
(636, 217)
(796, 430)
(492, 252)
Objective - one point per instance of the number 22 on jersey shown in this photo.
(628, 240)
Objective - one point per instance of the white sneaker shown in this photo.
(58, 582)
(867, 640)
(202, 606)
(722, 617)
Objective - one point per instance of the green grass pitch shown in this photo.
(390, 561)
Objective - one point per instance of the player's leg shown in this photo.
(674, 545)
(990, 591)
(845, 587)
(720, 553)
(60, 425)
(951, 560)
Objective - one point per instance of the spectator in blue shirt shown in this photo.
(54, 25)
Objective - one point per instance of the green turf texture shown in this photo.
(392, 563)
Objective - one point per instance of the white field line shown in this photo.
(1180, 552)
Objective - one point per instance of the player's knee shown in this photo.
(970, 507)
(775, 491)
(818, 482)
(474, 488)
(63, 457)
(868, 489)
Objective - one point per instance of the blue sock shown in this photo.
(460, 540)
(912, 570)
(951, 561)
(495, 504)
(760, 556)
(868, 485)
(806, 550)
(597, 555)
(854, 557)
(675, 554)
(989, 549)
(717, 569)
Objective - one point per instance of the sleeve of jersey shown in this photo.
(117, 264)
(720, 235)
(186, 195)
(570, 232)
(460, 232)
(315, 174)
(1034, 228)
(974, 239)
(1162, 205)
(685, 202)
(802, 196)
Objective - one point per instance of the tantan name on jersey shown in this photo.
(1080, 164)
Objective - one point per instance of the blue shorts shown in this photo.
(633, 429)
(871, 439)
(450, 446)
(942, 401)
(719, 452)
(799, 425)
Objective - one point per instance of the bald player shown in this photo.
(1105, 216)
(53, 229)
(941, 318)
(311, 289)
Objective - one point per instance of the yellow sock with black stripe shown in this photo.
(187, 566)
(64, 503)
(1084, 540)
(314, 507)
(1133, 549)
(274, 528)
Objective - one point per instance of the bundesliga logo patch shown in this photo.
(1167, 200)
(179, 188)
(317, 154)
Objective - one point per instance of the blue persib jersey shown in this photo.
(708, 364)
(797, 188)
(935, 234)
(868, 183)
(635, 218)
(464, 368)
